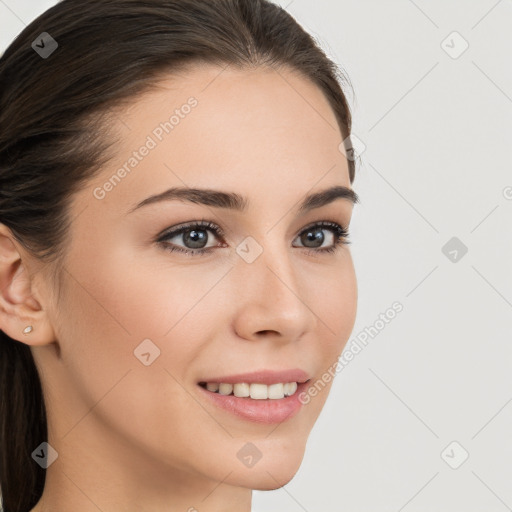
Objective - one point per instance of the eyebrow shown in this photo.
(234, 201)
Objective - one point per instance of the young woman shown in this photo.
(176, 281)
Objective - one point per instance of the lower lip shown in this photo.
(266, 411)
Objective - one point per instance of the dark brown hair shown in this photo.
(54, 115)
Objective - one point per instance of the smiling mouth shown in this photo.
(266, 397)
(256, 391)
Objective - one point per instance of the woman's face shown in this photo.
(140, 327)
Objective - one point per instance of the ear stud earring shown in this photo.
(27, 329)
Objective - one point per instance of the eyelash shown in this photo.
(341, 237)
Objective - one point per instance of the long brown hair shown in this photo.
(53, 138)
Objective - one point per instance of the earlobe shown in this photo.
(22, 317)
(28, 329)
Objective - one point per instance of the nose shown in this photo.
(271, 298)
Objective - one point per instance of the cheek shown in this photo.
(106, 321)
(109, 308)
(346, 307)
(336, 308)
(127, 315)
(143, 299)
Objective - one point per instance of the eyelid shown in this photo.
(206, 224)
(180, 228)
(338, 229)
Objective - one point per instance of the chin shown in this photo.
(271, 472)
(276, 481)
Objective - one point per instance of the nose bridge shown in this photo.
(268, 266)
(270, 287)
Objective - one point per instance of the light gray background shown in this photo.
(437, 165)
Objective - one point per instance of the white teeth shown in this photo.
(225, 389)
(255, 390)
(276, 391)
(241, 390)
(290, 388)
(259, 391)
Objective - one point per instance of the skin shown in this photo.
(138, 438)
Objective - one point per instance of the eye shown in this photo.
(194, 236)
(313, 235)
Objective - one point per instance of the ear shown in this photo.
(20, 306)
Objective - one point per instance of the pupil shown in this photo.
(315, 235)
(196, 237)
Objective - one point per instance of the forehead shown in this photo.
(233, 105)
(242, 129)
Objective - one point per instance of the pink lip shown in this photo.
(261, 411)
(263, 377)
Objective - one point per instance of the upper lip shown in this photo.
(263, 377)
